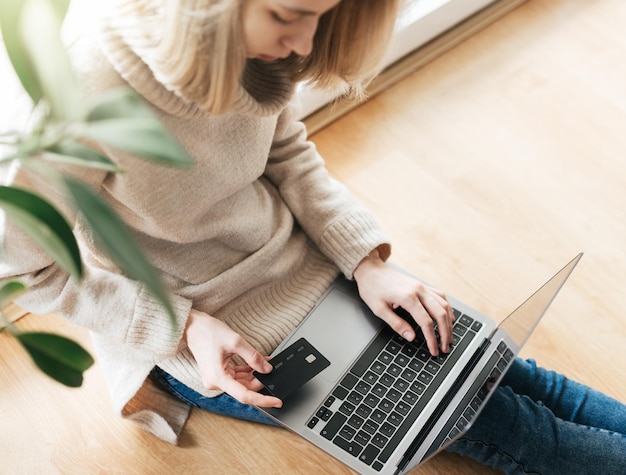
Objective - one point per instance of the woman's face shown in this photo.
(274, 29)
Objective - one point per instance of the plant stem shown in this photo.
(8, 325)
(13, 138)
(10, 158)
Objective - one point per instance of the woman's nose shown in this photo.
(301, 41)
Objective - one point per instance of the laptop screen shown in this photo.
(522, 321)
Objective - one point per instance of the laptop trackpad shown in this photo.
(339, 328)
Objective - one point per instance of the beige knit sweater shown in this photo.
(252, 234)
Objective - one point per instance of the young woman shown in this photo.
(249, 239)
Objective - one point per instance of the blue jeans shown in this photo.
(536, 422)
(540, 422)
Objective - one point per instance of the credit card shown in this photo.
(293, 367)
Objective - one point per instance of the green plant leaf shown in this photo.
(60, 7)
(143, 136)
(10, 19)
(112, 235)
(60, 358)
(78, 154)
(120, 103)
(39, 27)
(122, 119)
(45, 225)
(9, 290)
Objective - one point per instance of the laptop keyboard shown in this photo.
(473, 400)
(379, 399)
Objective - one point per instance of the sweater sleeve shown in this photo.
(105, 301)
(342, 228)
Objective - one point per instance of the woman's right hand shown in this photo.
(213, 344)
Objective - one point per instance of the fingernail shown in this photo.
(407, 335)
(267, 367)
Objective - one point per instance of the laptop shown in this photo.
(383, 405)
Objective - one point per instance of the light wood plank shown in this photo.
(12, 312)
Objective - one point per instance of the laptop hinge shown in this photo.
(441, 407)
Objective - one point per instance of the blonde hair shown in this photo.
(200, 54)
(349, 44)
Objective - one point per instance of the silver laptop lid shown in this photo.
(523, 320)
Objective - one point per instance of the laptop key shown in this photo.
(432, 367)
(379, 390)
(371, 400)
(394, 370)
(355, 398)
(395, 418)
(462, 423)
(393, 395)
(393, 347)
(356, 421)
(425, 377)
(423, 354)
(417, 387)
(324, 413)
(459, 330)
(349, 381)
(466, 321)
(402, 360)
(370, 427)
(378, 367)
(379, 440)
(385, 357)
(369, 454)
(347, 408)
(333, 425)
(378, 416)
(401, 385)
(410, 398)
(409, 375)
(347, 432)
(363, 387)
(387, 430)
(386, 380)
(351, 447)
(364, 411)
(416, 365)
(386, 405)
(340, 392)
(403, 408)
(362, 438)
(371, 377)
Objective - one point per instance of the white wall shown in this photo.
(419, 22)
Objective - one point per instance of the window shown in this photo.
(419, 22)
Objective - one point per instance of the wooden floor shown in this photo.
(489, 168)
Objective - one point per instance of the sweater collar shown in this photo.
(264, 89)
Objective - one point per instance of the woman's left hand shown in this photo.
(384, 289)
